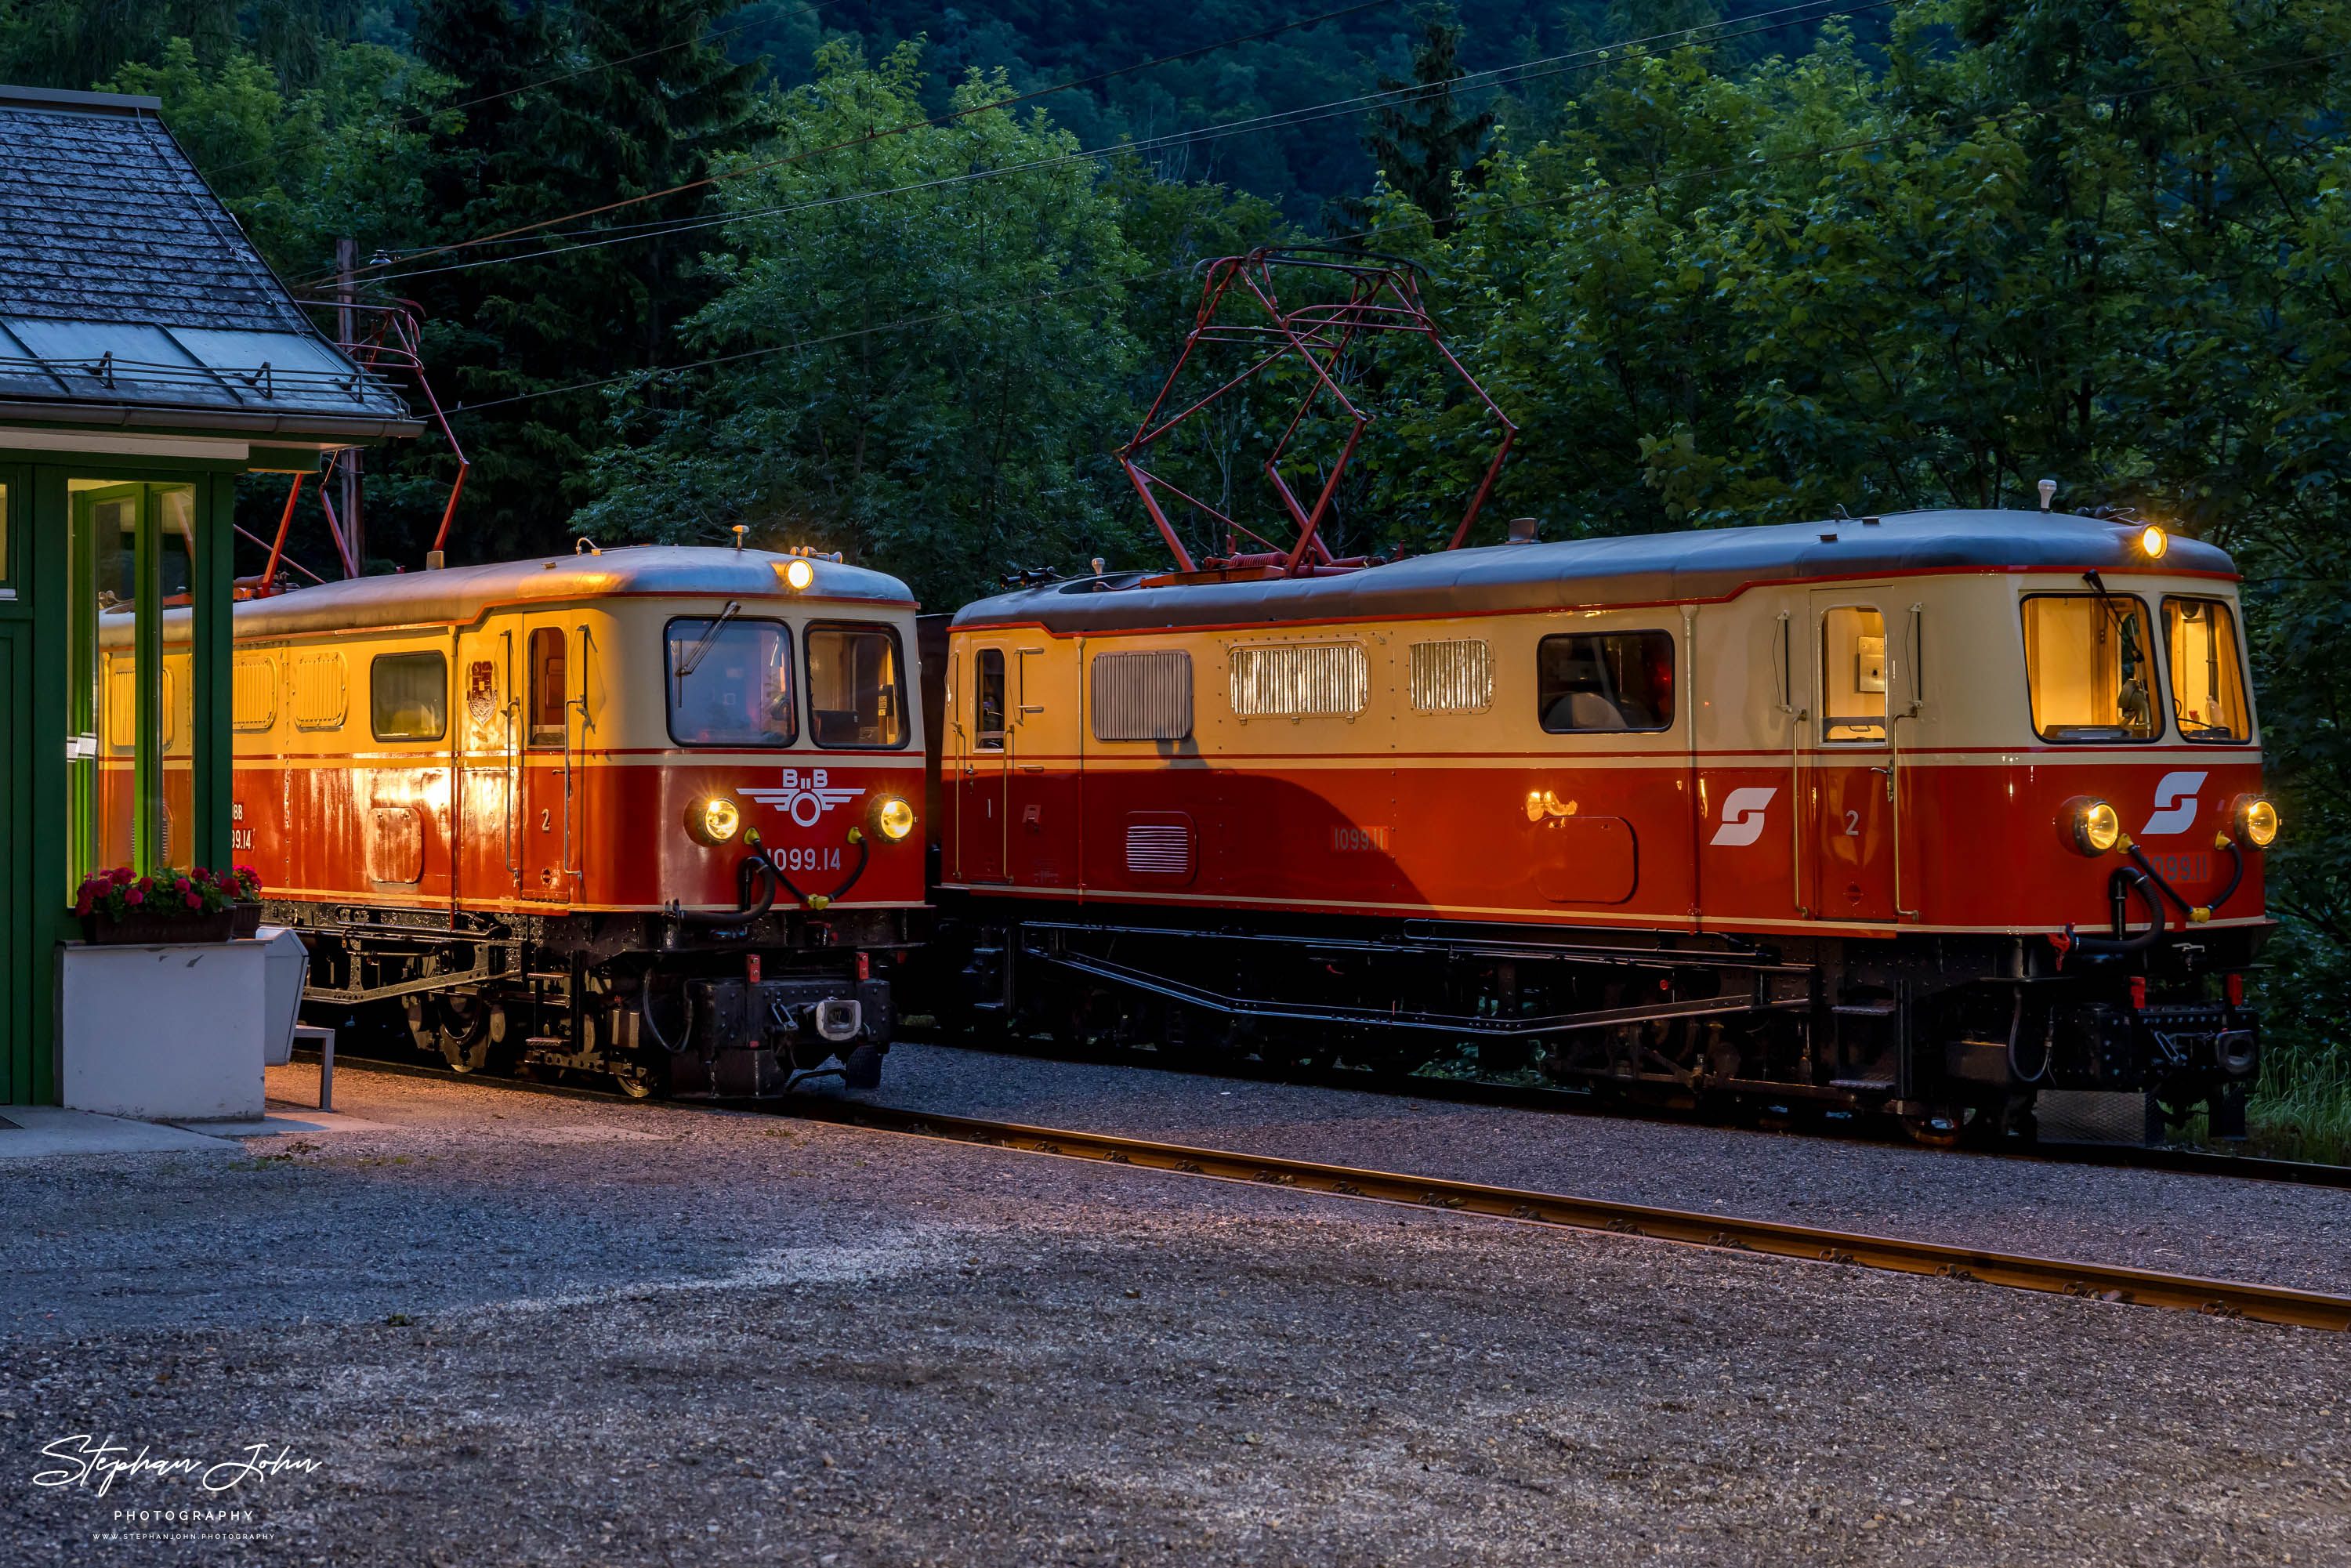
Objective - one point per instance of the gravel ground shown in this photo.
(511, 1328)
(2225, 1228)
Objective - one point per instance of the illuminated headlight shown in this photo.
(2257, 821)
(714, 820)
(2093, 826)
(894, 817)
(2153, 541)
(799, 574)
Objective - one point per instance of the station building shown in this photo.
(149, 358)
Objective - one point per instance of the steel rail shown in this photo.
(2109, 1282)
(2065, 1277)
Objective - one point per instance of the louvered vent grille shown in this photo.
(1143, 696)
(320, 696)
(254, 692)
(1309, 681)
(1453, 677)
(1159, 849)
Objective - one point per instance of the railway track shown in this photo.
(1575, 1102)
(2100, 1281)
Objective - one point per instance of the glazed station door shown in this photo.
(986, 740)
(545, 843)
(1849, 786)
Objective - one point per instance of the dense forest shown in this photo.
(850, 275)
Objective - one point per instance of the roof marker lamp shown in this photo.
(713, 821)
(894, 818)
(2257, 821)
(2153, 541)
(2092, 827)
(799, 574)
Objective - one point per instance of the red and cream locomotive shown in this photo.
(648, 812)
(1916, 814)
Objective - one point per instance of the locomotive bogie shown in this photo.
(1937, 766)
(544, 797)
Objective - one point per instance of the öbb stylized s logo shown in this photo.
(1742, 816)
(2174, 804)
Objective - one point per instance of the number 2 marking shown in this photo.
(1853, 824)
(543, 817)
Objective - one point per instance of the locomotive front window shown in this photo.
(987, 702)
(2089, 666)
(856, 692)
(2207, 683)
(1852, 675)
(730, 681)
(1592, 682)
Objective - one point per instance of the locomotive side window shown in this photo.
(2208, 683)
(855, 691)
(730, 681)
(987, 702)
(1593, 682)
(1142, 697)
(2088, 665)
(548, 686)
(408, 696)
(1852, 675)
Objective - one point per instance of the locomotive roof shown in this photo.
(1640, 568)
(458, 595)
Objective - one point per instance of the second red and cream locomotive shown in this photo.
(1916, 814)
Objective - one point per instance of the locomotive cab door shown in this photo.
(981, 806)
(1041, 789)
(545, 819)
(1849, 787)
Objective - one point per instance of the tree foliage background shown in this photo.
(1921, 257)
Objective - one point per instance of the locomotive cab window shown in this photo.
(1595, 682)
(2089, 668)
(2208, 681)
(987, 702)
(408, 696)
(1852, 675)
(856, 687)
(730, 681)
(549, 684)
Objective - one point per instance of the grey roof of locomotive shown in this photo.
(459, 595)
(1639, 569)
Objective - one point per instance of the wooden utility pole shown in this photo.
(347, 261)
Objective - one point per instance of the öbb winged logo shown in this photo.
(804, 797)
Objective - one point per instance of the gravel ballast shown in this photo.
(516, 1328)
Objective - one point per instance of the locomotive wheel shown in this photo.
(467, 1032)
(1936, 1129)
(632, 1075)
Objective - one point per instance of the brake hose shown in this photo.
(2106, 946)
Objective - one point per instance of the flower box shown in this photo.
(137, 930)
(121, 908)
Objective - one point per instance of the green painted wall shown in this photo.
(34, 907)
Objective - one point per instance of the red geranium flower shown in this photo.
(195, 902)
(134, 897)
(119, 875)
(84, 906)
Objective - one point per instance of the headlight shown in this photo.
(714, 820)
(2153, 541)
(2257, 821)
(894, 817)
(799, 574)
(2091, 826)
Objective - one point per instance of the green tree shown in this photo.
(920, 344)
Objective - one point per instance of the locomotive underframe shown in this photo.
(663, 1007)
(1940, 1031)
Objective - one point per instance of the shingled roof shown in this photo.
(129, 295)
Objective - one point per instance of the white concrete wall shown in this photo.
(170, 1033)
